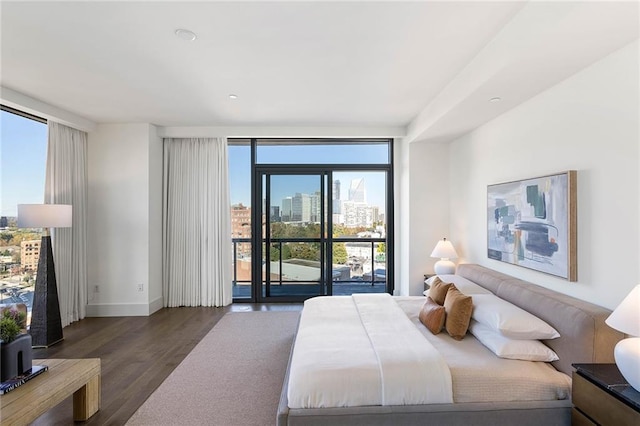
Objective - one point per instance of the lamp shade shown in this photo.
(626, 317)
(444, 250)
(44, 215)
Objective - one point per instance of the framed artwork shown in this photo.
(533, 223)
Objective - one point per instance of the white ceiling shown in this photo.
(427, 67)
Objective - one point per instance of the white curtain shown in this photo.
(196, 240)
(66, 183)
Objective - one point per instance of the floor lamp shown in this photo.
(46, 325)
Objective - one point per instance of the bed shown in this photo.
(584, 338)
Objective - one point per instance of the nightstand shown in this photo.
(601, 396)
(426, 277)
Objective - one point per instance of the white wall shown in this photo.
(124, 220)
(155, 220)
(428, 208)
(401, 217)
(590, 123)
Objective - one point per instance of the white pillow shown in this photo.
(527, 350)
(509, 320)
(464, 285)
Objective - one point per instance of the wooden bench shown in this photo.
(65, 377)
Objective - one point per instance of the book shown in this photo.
(11, 384)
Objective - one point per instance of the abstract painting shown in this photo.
(532, 223)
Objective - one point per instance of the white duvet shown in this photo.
(363, 350)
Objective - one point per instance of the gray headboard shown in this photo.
(585, 338)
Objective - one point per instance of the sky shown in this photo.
(23, 153)
(283, 186)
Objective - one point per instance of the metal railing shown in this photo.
(375, 276)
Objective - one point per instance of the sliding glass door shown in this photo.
(319, 220)
(293, 240)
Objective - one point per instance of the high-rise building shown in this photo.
(286, 212)
(301, 208)
(336, 197)
(357, 191)
(274, 214)
(4, 222)
(315, 207)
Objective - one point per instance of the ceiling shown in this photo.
(428, 68)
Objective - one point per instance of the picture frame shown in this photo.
(533, 223)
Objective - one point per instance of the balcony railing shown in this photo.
(364, 266)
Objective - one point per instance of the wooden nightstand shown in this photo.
(601, 396)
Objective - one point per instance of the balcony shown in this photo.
(364, 270)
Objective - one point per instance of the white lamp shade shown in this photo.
(444, 250)
(626, 317)
(44, 215)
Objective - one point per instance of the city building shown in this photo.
(241, 227)
(287, 209)
(357, 191)
(355, 214)
(336, 197)
(29, 255)
(274, 214)
(301, 208)
(315, 207)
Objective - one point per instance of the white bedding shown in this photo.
(363, 350)
(480, 376)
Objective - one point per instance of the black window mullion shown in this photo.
(256, 249)
(267, 234)
(329, 212)
(389, 219)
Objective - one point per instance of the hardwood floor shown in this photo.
(137, 354)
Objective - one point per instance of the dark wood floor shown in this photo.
(137, 354)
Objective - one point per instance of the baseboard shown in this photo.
(156, 305)
(124, 309)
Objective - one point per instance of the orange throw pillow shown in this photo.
(438, 290)
(432, 316)
(458, 307)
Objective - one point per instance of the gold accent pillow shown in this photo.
(432, 316)
(458, 307)
(438, 290)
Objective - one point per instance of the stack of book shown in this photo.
(11, 384)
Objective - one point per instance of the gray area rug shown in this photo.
(232, 377)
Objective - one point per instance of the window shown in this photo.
(240, 192)
(318, 214)
(300, 151)
(23, 152)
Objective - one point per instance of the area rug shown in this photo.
(232, 377)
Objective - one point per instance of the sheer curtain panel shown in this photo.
(196, 240)
(66, 183)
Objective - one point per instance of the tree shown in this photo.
(274, 253)
(382, 248)
(339, 253)
(6, 237)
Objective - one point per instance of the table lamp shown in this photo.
(445, 251)
(626, 318)
(46, 325)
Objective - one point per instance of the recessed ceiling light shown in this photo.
(185, 34)
(232, 96)
(496, 99)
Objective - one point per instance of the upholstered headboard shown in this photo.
(584, 337)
